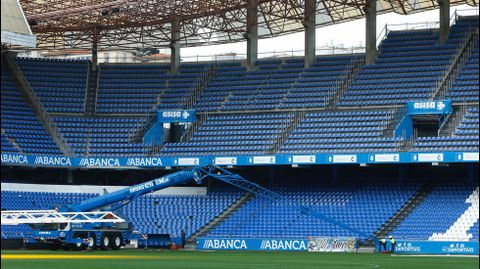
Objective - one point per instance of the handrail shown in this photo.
(42, 111)
(85, 97)
(461, 51)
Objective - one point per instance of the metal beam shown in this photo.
(252, 33)
(175, 47)
(371, 31)
(309, 25)
(444, 20)
(52, 216)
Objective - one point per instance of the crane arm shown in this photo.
(121, 197)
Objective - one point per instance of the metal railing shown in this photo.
(454, 67)
(200, 84)
(43, 114)
(87, 86)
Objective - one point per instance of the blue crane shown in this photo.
(116, 234)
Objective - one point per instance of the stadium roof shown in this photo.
(15, 29)
(131, 24)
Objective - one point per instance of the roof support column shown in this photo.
(309, 25)
(371, 31)
(444, 20)
(175, 47)
(95, 38)
(252, 33)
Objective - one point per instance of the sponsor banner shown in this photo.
(176, 115)
(304, 159)
(332, 244)
(144, 161)
(381, 158)
(436, 247)
(12, 158)
(428, 157)
(226, 160)
(470, 156)
(188, 161)
(252, 244)
(263, 160)
(429, 107)
(100, 162)
(351, 158)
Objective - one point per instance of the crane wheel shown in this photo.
(105, 242)
(116, 240)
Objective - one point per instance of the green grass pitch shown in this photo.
(146, 259)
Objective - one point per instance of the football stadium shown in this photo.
(223, 134)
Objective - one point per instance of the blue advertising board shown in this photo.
(265, 244)
(176, 115)
(429, 107)
(436, 247)
(279, 159)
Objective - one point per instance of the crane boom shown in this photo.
(121, 197)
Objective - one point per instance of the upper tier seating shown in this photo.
(60, 85)
(465, 87)
(20, 124)
(230, 135)
(275, 84)
(408, 67)
(346, 131)
(141, 88)
(100, 136)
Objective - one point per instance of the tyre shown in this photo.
(105, 242)
(116, 240)
(79, 246)
(92, 244)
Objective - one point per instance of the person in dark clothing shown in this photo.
(392, 244)
(382, 244)
(183, 238)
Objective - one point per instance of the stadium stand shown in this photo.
(343, 131)
(238, 134)
(452, 200)
(275, 84)
(188, 213)
(408, 67)
(141, 88)
(464, 137)
(403, 71)
(99, 136)
(465, 87)
(178, 212)
(19, 123)
(364, 206)
(474, 231)
(60, 84)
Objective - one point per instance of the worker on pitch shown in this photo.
(392, 244)
(382, 244)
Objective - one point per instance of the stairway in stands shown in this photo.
(23, 85)
(458, 61)
(452, 122)
(234, 207)
(91, 91)
(393, 222)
